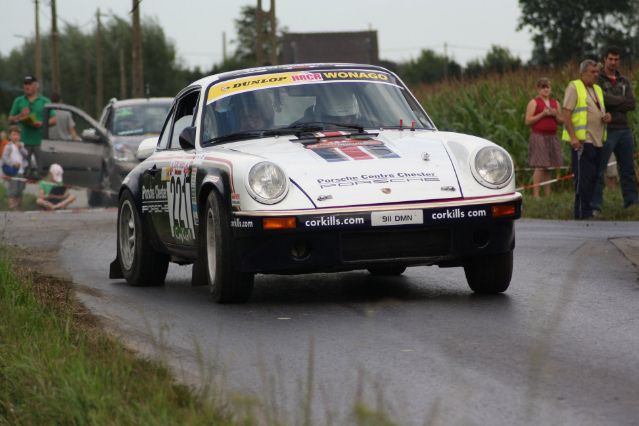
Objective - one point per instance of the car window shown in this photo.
(184, 114)
(136, 120)
(69, 125)
(166, 131)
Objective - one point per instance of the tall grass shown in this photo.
(493, 107)
(54, 372)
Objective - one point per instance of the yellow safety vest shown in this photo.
(580, 113)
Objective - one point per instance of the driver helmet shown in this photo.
(339, 105)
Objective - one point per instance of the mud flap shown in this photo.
(115, 270)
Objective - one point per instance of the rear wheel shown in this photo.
(141, 264)
(489, 274)
(387, 270)
(227, 285)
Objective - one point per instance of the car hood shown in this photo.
(390, 167)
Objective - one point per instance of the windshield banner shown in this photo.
(229, 87)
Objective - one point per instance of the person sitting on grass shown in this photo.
(53, 195)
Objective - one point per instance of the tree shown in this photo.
(164, 77)
(564, 31)
(429, 67)
(245, 26)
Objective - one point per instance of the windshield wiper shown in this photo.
(321, 125)
(237, 136)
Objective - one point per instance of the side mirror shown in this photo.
(146, 148)
(187, 138)
(90, 135)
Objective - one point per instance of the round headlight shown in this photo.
(267, 183)
(493, 167)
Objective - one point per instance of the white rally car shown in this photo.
(312, 168)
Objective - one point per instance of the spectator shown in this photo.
(544, 152)
(4, 140)
(28, 111)
(64, 128)
(53, 195)
(584, 129)
(619, 101)
(14, 160)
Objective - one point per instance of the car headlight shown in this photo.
(493, 167)
(122, 152)
(267, 183)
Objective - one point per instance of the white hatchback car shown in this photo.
(312, 168)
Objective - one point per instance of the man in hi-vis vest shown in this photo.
(585, 119)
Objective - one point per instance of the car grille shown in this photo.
(395, 244)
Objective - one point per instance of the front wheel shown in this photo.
(489, 274)
(141, 264)
(227, 285)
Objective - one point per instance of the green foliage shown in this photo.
(53, 372)
(493, 107)
(559, 206)
(429, 67)
(565, 31)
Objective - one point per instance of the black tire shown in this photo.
(387, 270)
(226, 284)
(141, 264)
(489, 274)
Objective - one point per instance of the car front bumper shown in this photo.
(444, 233)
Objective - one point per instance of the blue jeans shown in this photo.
(584, 165)
(620, 142)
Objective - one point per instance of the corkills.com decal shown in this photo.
(226, 88)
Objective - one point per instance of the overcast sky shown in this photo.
(404, 27)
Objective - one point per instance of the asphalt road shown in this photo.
(560, 347)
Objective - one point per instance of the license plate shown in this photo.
(397, 217)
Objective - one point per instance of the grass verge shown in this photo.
(560, 206)
(58, 367)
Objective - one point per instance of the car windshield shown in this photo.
(136, 120)
(307, 106)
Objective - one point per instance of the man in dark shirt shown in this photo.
(619, 100)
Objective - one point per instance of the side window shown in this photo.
(166, 131)
(69, 126)
(184, 114)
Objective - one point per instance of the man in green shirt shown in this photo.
(28, 111)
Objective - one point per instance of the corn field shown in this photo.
(493, 107)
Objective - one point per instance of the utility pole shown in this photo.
(38, 45)
(99, 79)
(445, 61)
(273, 34)
(122, 75)
(55, 58)
(259, 35)
(137, 67)
(223, 46)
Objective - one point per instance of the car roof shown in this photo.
(138, 101)
(282, 68)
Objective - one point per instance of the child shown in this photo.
(14, 160)
(53, 195)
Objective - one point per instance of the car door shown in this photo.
(80, 152)
(170, 174)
